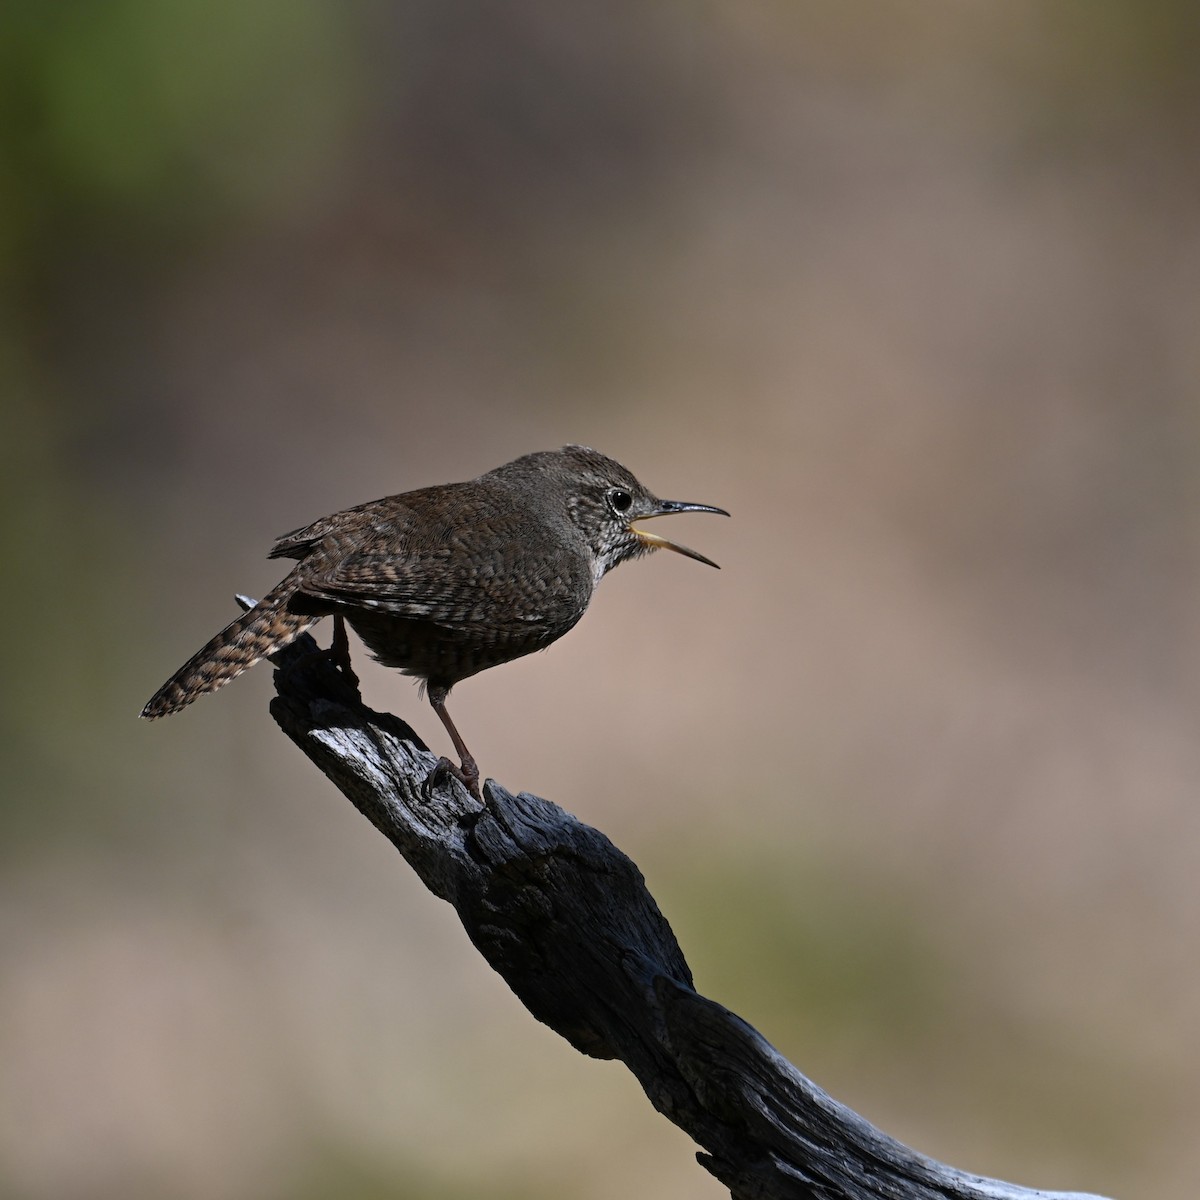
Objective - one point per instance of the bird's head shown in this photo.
(605, 502)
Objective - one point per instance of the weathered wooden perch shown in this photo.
(566, 919)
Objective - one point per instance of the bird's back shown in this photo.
(446, 581)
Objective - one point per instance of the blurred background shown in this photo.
(910, 289)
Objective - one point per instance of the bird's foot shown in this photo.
(467, 775)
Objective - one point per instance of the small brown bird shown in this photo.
(444, 582)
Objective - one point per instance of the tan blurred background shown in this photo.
(911, 289)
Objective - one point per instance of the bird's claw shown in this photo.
(446, 769)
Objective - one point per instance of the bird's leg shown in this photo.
(337, 653)
(468, 773)
(339, 650)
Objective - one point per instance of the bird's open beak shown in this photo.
(665, 508)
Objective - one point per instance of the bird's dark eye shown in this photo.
(619, 500)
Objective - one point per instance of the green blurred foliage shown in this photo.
(847, 959)
(832, 965)
(125, 127)
(177, 115)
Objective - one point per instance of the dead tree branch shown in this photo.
(566, 919)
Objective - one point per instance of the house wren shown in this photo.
(444, 582)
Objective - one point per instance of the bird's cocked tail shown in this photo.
(267, 627)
